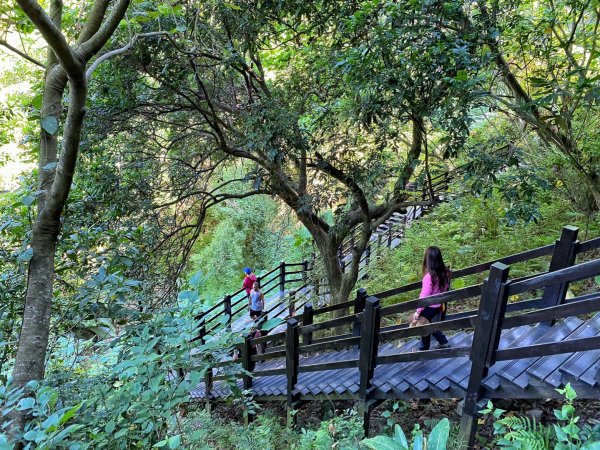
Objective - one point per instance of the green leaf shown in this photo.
(69, 413)
(597, 280)
(589, 446)
(439, 435)
(32, 435)
(26, 403)
(399, 436)
(188, 296)
(110, 427)
(49, 124)
(383, 443)
(174, 441)
(232, 6)
(160, 444)
(4, 445)
(461, 75)
(560, 434)
(418, 441)
(28, 200)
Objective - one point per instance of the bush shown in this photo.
(524, 433)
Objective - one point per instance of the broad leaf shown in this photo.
(439, 435)
(383, 443)
(399, 436)
(49, 124)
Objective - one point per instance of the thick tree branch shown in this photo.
(53, 36)
(94, 20)
(347, 180)
(93, 45)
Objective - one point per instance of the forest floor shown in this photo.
(425, 412)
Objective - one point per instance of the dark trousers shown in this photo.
(438, 335)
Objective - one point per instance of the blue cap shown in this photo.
(247, 270)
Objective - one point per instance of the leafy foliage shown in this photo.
(516, 432)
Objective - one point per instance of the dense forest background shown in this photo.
(149, 151)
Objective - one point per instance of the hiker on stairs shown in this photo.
(249, 281)
(256, 302)
(436, 279)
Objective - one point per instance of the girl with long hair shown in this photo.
(436, 280)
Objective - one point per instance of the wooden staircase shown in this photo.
(522, 349)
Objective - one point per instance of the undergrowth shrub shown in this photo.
(129, 395)
(515, 432)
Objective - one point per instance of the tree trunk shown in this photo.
(35, 328)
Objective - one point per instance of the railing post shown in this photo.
(304, 272)
(389, 244)
(248, 366)
(307, 319)
(292, 360)
(368, 255)
(208, 376)
(247, 363)
(227, 310)
(563, 256)
(282, 277)
(485, 343)
(359, 306)
(292, 303)
(342, 264)
(369, 342)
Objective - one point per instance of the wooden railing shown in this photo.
(493, 314)
(285, 278)
(281, 279)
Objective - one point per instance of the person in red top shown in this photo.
(249, 281)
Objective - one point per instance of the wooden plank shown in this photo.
(269, 338)
(446, 325)
(509, 338)
(551, 348)
(586, 246)
(486, 338)
(547, 365)
(570, 274)
(384, 374)
(418, 377)
(330, 345)
(329, 366)
(553, 334)
(580, 363)
(267, 356)
(575, 307)
(591, 375)
(450, 296)
(268, 372)
(330, 323)
(424, 355)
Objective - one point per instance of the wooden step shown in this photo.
(546, 366)
(556, 333)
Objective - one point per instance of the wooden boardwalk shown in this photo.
(520, 349)
(536, 377)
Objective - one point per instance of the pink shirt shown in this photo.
(430, 289)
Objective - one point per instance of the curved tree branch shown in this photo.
(21, 54)
(93, 45)
(53, 36)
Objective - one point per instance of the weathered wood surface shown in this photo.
(446, 377)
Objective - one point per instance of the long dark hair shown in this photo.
(433, 264)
